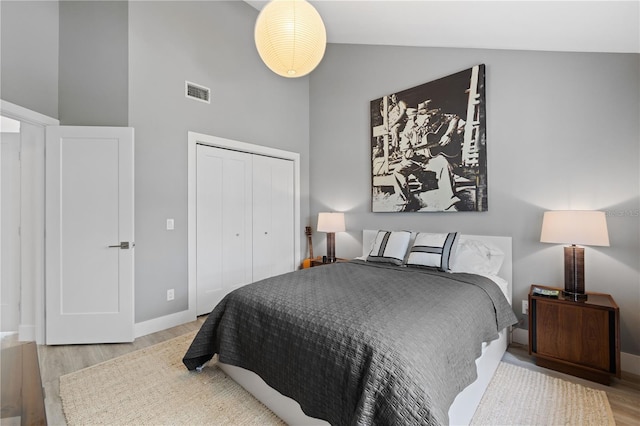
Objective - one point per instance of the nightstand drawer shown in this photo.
(557, 337)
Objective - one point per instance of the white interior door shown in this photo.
(273, 212)
(89, 235)
(223, 224)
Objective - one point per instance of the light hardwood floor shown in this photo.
(22, 399)
(56, 361)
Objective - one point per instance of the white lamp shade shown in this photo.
(331, 222)
(290, 37)
(581, 227)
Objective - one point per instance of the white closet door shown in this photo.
(273, 216)
(223, 224)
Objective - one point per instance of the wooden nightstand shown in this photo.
(578, 338)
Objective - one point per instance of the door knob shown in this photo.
(123, 245)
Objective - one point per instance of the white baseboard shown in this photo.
(629, 363)
(521, 336)
(158, 324)
(26, 333)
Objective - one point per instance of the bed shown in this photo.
(368, 341)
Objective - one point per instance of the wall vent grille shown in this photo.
(197, 92)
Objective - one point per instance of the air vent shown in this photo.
(197, 92)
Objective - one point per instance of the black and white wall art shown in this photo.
(429, 148)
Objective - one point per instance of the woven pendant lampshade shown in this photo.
(290, 37)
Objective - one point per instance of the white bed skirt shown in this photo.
(460, 413)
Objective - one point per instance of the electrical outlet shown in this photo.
(170, 295)
(525, 307)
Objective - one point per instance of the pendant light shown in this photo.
(290, 37)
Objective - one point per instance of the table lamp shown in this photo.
(331, 223)
(574, 227)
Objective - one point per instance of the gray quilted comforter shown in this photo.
(359, 343)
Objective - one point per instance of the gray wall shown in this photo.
(29, 55)
(562, 133)
(211, 44)
(93, 71)
(125, 63)
(562, 128)
(67, 60)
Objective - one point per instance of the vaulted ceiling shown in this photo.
(574, 26)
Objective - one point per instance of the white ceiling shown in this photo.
(580, 26)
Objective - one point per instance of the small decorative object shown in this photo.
(574, 227)
(545, 292)
(290, 37)
(428, 146)
(331, 223)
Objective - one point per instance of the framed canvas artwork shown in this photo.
(429, 148)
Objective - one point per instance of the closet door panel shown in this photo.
(209, 229)
(236, 226)
(282, 210)
(223, 223)
(273, 216)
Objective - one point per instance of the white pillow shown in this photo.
(433, 250)
(390, 247)
(477, 257)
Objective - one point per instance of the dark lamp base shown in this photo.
(331, 247)
(574, 274)
(575, 297)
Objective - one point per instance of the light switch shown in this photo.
(170, 225)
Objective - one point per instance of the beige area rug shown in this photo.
(517, 396)
(151, 386)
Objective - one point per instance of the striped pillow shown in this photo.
(433, 250)
(390, 247)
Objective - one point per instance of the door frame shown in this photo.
(195, 138)
(10, 290)
(32, 218)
